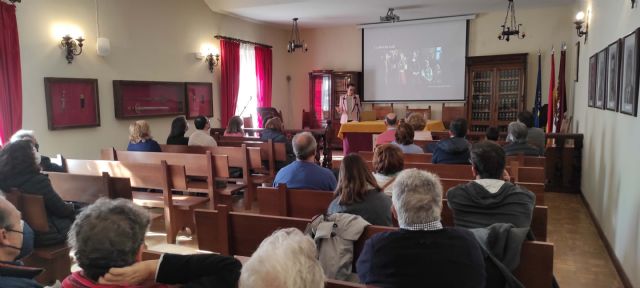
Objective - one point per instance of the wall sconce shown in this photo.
(210, 56)
(72, 46)
(580, 20)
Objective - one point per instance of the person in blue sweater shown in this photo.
(454, 150)
(304, 173)
(140, 138)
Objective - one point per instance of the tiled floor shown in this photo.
(580, 258)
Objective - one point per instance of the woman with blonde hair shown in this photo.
(417, 122)
(358, 193)
(140, 138)
(234, 128)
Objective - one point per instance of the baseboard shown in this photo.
(616, 263)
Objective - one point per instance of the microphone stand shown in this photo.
(245, 106)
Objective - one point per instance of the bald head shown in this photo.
(391, 120)
(304, 146)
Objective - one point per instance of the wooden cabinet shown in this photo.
(496, 90)
(325, 89)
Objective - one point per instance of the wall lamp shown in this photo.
(72, 46)
(210, 56)
(580, 21)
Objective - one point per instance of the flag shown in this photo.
(552, 88)
(561, 100)
(538, 103)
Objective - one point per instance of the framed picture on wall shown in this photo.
(630, 71)
(199, 99)
(613, 76)
(72, 102)
(601, 83)
(593, 73)
(145, 99)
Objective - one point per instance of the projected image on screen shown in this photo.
(415, 62)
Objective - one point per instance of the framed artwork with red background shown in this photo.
(199, 99)
(72, 102)
(145, 99)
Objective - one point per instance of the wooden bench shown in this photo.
(89, 188)
(178, 209)
(527, 161)
(235, 233)
(408, 157)
(54, 259)
(306, 204)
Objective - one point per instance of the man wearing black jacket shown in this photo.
(454, 150)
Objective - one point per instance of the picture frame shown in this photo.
(577, 62)
(199, 99)
(593, 73)
(630, 73)
(147, 99)
(72, 102)
(601, 82)
(613, 76)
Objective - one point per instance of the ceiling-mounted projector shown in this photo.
(390, 17)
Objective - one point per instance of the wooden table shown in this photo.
(358, 136)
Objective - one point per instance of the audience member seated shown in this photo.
(388, 161)
(386, 137)
(535, 136)
(422, 252)
(202, 137)
(286, 259)
(304, 173)
(234, 128)
(517, 139)
(140, 138)
(273, 131)
(16, 242)
(19, 169)
(417, 122)
(179, 126)
(359, 194)
(492, 134)
(107, 234)
(45, 162)
(454, 150)
(404, 139)
(488, 199)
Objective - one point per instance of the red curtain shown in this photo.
(263, 78)
(230, 79)
(10, 74)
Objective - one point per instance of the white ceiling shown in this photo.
(323, 13)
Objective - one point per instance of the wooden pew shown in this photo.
(308, 203)
(54, 259)
(89, 188)
(241, 234)
(408, 157)
(526, 174)
(178, 209)
(293, 202)
(527, 161)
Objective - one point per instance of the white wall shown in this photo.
(610, 181)
(150, 40)
(340, 49)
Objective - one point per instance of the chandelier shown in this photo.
(511, 29)
(295, 42)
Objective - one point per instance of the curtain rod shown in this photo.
(220, 37)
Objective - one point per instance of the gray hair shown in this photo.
(107, 234)
(304, 145)
(518, 132)
(417, 197)
(22, 135)
(286, 259)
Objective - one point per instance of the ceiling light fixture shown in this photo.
(390, 17)
(513, 28)
(295, 42)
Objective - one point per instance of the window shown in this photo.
(247, 104)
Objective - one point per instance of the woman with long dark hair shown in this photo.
(19, 169)
(234, 128)
(179, 126)
(358, 193)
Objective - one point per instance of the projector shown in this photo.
(390, 17)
